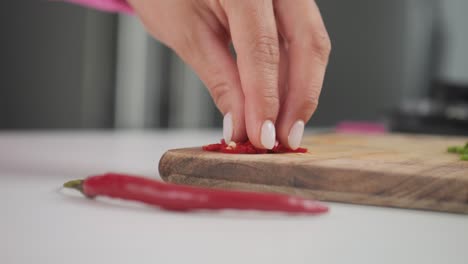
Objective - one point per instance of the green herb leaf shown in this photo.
(460, 150)
(452, 149)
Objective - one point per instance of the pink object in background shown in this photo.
(360, 127)
(105, 5)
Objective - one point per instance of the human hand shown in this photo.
(282, 52)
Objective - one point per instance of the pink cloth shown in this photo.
(105, 5)
(360, 127)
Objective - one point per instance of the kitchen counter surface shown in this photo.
(41, 223)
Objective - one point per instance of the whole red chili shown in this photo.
(248, 148)
(184, 198)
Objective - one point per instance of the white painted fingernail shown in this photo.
(268, 135)
(227, 128)
(295, 134)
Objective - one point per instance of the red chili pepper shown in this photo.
(249, 148)
(185, 198)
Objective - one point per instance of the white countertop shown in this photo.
(40, 223)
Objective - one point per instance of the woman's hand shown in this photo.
(282, 52)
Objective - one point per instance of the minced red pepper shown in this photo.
(249, 148)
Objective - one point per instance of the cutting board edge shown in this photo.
(186, 157)
(432, 182)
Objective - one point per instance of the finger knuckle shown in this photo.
(265, 99)
(271, 101)
(265, 50)
(309, 103)
(220, 92)
(321, 46)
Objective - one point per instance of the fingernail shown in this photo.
(295, 134)
(227, 128)
(268, 135)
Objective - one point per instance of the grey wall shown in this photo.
(364, 76)
(59, 63)
(56, 66)
(365, 79)
(454, 65)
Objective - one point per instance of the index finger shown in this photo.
(255, 38)
(309, 47)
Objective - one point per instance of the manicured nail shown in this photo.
(227, 128)
(268, 135)
(295, 134)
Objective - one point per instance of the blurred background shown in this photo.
(401, 62)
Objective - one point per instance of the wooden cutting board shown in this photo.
(394, 170)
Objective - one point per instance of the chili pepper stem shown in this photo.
(75, 184)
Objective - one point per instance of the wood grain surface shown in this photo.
(396, 170)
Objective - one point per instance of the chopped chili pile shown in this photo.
(248, 148)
